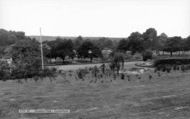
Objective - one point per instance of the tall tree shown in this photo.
(26, 58)
(60, 48)
(186, 44)
(64, 48)
(88, 50)
(150, 38)
(51, 53)
(78, 42)
(161, 40)
(123, 45)
(135, 42)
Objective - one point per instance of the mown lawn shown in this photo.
(160, 97)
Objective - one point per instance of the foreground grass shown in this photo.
(160, 97)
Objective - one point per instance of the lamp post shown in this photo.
(42, 58)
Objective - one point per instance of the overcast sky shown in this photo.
(109, 18)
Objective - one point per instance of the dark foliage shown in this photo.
(117, 62)
(147, 55)
(173, 44)
(135, 42)
(61, 48)
(172, 61)
(10, 37)
(123, 45)
(88, 50)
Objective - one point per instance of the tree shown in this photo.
(123, 45)
(10, 37)
(173, 44)
(117, 62)
(103, 43)
(186, 44)
(63, 49)
(51, 53)
(26, 58)
(60, 48)
(78, 42)
(161, 40)
(150, 38)
(135, 42)
(88, 50)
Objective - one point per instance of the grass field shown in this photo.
(160, 97)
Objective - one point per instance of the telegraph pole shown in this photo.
(42, 57)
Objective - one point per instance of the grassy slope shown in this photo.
(158, 98)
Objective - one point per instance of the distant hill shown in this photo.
(50, 38)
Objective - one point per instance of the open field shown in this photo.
(161, 97)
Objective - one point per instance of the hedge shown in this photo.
(172, 61)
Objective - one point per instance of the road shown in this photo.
(79, 66)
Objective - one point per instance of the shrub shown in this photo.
(47, 73)
(147, 55)
(122, 76)
(188, 67)
(137, 56)
(182, 68)
(177, 68)
(5, 70)
(95, 71)
(26, 62)
(163, 69)
(174, 67)
(81, 73)
(172, 61)
(8, 72)
(117, 62)
(168, 69)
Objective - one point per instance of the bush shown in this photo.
(5, 70)
(47, 73)
(26, 62)
(172, 61)
(117, 62)
(81, 73)
(174, 67)
(168, 69)
(8, 72)
(137, 56)
(147, 55)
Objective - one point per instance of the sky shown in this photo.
(108, 18)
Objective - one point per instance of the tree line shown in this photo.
(136, 42)
(149, 40)
(87, 48)
(79, 47)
